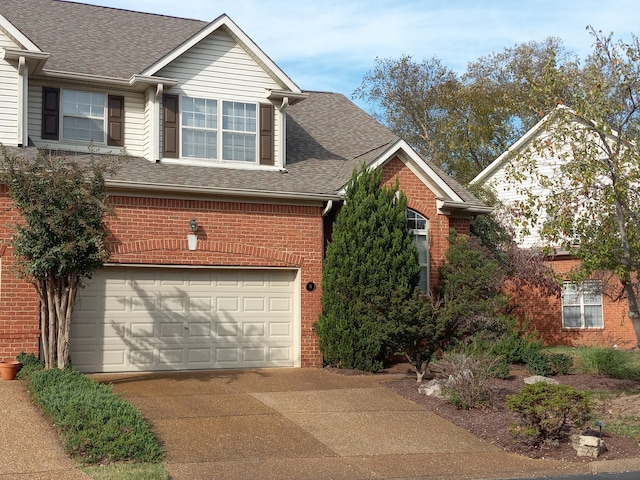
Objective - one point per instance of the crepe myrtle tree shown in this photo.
(589, 203)
(61, 239)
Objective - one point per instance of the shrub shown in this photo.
(547, 413)
(29, 363)
(95, 424)
(467, 385)
(547, 364)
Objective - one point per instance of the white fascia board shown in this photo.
(499, 162)
(411, 154)
(221, 21)
(17, 35)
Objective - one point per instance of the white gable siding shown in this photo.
(134, 134)
(510, 192)
(218, 68)
(8, 97)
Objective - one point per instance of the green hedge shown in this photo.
(96, 425)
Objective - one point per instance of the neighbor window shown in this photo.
(83, 116)
(204, 136)
(419, 228)
(582, 304)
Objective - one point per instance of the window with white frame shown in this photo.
(419, 228)
(582, 304)
(83, 116)
(204, 136)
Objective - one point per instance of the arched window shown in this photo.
(419, 228)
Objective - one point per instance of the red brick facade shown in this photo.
(423, 201)
(154, 231)
(545, 314)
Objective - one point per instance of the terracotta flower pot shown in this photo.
(8, 369)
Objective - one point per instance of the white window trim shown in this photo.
(582, 305)
(426, 267)
(105, 106)
(219, 161)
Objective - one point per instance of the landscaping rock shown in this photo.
(588, 446)
(432, 388)
(539, 378)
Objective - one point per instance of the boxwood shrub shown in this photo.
(96, 425)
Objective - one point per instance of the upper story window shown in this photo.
(83, 116)
(217, 130)
(73, 115)
(582, 304)
(419, 228)
(202, 136)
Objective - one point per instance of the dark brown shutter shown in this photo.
(266, 134)
(50, 113)
(115, 121)
(170, 126)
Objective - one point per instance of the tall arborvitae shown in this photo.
(371, 269)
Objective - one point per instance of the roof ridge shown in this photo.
(130, 11)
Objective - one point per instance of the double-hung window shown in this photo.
(199, 128)
(204, 136)
(419, 228)
(582, 304)
(83, 116)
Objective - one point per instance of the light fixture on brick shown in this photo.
(192, 237)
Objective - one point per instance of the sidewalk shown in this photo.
(31, 447)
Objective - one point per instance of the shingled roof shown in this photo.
(327, 135)
(91, 40)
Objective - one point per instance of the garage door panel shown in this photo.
(141, 319)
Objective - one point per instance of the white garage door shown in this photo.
(145, 319)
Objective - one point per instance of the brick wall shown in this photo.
(423, 201)
(154, 231)
(19, 325)
(545, 314)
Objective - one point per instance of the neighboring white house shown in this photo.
(583, 314)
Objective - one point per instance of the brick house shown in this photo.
(230, 179)
(591, 313)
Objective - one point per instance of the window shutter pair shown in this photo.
(51, 117)
(171, 130)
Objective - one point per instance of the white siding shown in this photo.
(146, 147)
(134, 129)
(219, 68)
(510, 192)
(8, 97)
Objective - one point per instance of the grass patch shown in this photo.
(95, 424)
(128, 471)
(626, 425)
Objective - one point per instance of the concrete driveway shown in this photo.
(309, 424)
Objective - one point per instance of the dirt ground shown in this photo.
(492, 425)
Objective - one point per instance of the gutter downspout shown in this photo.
(23, 89)
(155, 124)
(283, 128)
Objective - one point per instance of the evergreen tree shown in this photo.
(371, 267)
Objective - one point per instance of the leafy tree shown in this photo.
(590, 202)
(371, 268)
(62, 238)
(464, 123)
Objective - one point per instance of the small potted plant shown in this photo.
(9, 369)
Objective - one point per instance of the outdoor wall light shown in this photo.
(192, 237)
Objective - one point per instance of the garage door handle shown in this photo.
(186, 327)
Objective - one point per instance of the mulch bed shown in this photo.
(492, 424)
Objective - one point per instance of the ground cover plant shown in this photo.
(95, 424)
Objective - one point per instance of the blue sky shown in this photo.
(329, 45)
